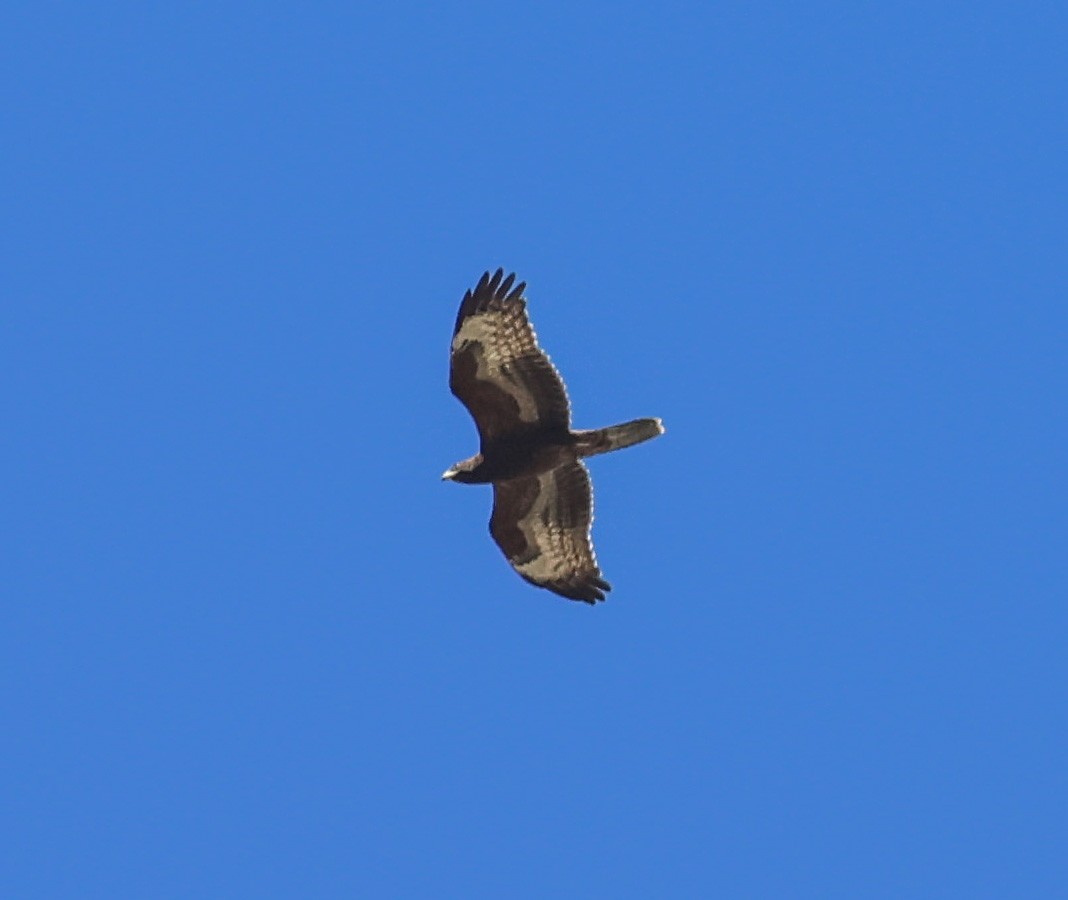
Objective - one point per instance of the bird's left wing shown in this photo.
(542, 524)
(496, 367)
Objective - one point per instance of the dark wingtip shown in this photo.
(590, 591)
(491, 289)
(466, 306)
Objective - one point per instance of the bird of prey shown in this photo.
(542, 498)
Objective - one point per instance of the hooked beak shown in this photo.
(448, 475)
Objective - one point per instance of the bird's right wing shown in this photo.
(542, 523)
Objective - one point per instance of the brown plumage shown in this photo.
(542, 498)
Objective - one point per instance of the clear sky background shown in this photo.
(251, 646)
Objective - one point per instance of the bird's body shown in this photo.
(542, 498)
(524, 453)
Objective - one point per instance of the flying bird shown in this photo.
(542, 497)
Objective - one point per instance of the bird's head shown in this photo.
(462, 470)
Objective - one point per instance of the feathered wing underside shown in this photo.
(542, 523)
(497, 370)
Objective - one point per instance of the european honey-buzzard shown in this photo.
(542, 498)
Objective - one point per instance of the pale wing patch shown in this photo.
(502, 341)
(561, 548)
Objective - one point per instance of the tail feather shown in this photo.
(616, 437)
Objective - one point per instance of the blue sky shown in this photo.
(252, 646)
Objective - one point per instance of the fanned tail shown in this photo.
(616, 437)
